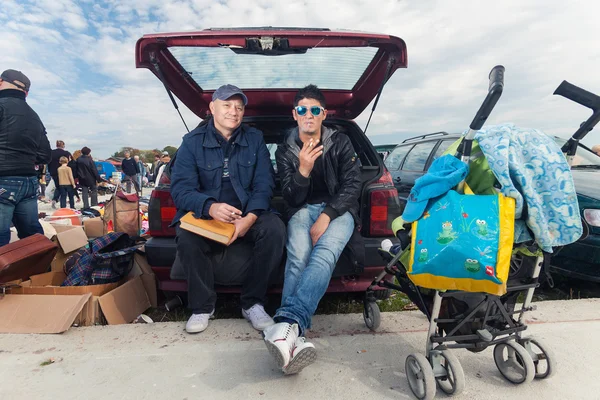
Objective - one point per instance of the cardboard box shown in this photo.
(58, 263)
(118, 303)
(68, 243)
(90, 314)
(125, 303)
(49, 283)
(71, 237)
(39, 313)
(143, 269)
(93, 227)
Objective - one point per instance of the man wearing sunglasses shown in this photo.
(321, 183)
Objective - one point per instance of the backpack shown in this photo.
(107, 259)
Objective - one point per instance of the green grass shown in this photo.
(228, 305)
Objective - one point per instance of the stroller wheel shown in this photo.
(543, 358)
(514, 362)
(420, 376)
(453, 382)
(372, 315)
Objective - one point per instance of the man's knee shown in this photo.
(301, 218)
(187, 241)
(272, 228)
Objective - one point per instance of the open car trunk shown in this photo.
(271, 64)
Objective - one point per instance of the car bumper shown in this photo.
(579, 260)
(161, 256)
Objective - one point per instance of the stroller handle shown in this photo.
(494, 92)
(587, 99)
(578, 95)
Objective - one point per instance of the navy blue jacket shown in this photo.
(197, 171)
(129, 167)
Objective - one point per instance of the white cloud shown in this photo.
(80, 57)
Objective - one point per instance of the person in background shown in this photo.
(23, 144)
(142, 171)
(66, 183)
(88, 177)
(42, 169)
(154, 168)
(165, 158)
(53, 167)
(130, 169)
(73, 165)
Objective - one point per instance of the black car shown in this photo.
(411, 159)
(359, 64)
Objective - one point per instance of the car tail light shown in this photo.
(386, 178)
(161, 212)
(383, 207)
(165, 179)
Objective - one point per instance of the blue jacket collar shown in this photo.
(210, 140)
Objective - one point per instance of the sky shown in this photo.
(79, 56)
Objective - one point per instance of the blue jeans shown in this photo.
(18, 204)
(308, 269)
(67, 191)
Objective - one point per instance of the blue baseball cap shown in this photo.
(226, 92)
(444, 173)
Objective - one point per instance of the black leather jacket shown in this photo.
(342, 173)
(23, 140)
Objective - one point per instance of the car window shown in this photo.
(417, 158)
(394, 160)
(442, 148)
(583, 157)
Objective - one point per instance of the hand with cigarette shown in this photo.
(308, 154)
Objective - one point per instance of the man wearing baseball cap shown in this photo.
(223, 171)
(23, 145)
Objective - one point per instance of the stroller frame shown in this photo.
(519, 359)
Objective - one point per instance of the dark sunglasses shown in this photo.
(314, 110)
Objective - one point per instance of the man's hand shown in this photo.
(308, 154)
(319, 228)
(224, 212)
(242, 226)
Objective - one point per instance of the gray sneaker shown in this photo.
(198, 322)
(258, 317)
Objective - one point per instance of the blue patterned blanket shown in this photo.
(531, 168)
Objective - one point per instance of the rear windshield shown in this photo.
(328, 68)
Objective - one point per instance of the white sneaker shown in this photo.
(258, 317)
(303, 355)
(53, 203)
(280, 340)
(198, 322)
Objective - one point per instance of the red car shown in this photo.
(270, 65)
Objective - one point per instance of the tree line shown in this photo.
(145, 155)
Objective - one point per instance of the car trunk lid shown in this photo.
(271, 64)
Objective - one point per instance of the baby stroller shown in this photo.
(475, 320)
